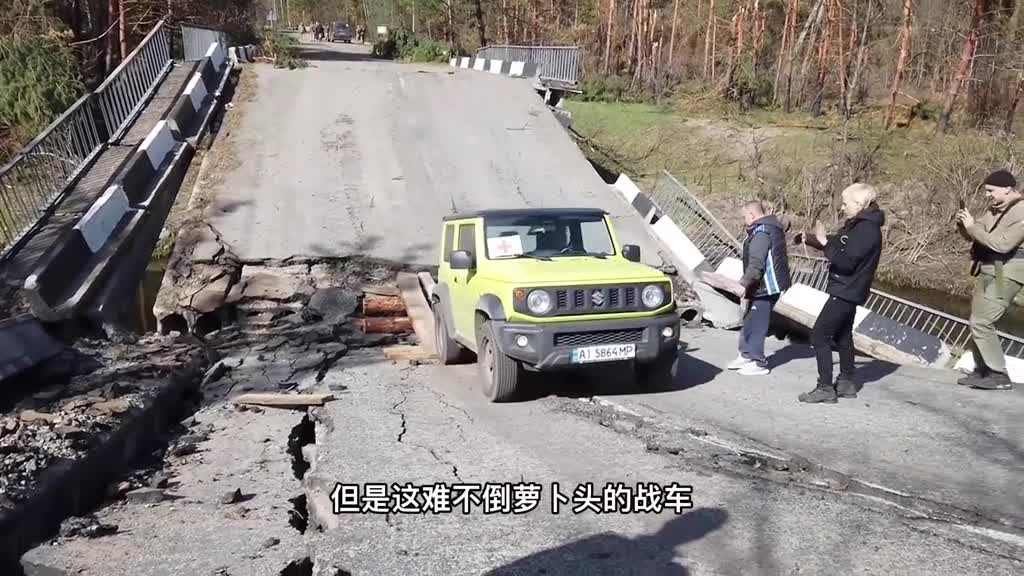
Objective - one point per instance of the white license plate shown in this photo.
(605, 353)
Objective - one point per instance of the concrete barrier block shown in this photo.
(103, 217)
(529, 70)
(184, 114)
(453, 62)
(135, 177)
(196, 91)
(731, 268)
(56, 272)
(465, 62)
(625, 185)
(479, 64)
(685, 252)
(1014, 366)
(516, 68)
(216, 55)
(158, 144)
(495, 66)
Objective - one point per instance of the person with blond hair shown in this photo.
(853, 253)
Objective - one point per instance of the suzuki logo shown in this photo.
(597, 297)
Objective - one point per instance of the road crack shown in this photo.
(401, 434)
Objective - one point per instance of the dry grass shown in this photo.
(797, 165)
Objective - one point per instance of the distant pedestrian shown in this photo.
(853, 253)
(765, 278)
(998, 265)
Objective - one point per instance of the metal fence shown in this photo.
(38, 175)
(196, 40)
(716, 243)
(126, 91)
(559, 63)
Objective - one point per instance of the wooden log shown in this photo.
(385, 325)
(418, 309)
(383, 306)
(722, 283)
(283, 400)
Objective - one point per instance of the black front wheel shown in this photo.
(501, 374)
(448, 350)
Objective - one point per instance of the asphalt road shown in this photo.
(357, 155)
(400, 425)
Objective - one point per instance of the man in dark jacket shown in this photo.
(853, 253)
(765, 278)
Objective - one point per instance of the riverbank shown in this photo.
(797, 164)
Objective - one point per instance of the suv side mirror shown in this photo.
(461, 260)
(631, 252)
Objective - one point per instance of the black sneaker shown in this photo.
(994, 381)
(826, 394)
(846, 387)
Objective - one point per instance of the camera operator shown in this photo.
(998, 265)
(853, 253)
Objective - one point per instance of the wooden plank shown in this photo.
(380, 290)
(418, 310)
(283, 400)
(407, 353)
(427, 282)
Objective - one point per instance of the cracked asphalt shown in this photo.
(915, 476)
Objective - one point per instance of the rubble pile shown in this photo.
(94, 385)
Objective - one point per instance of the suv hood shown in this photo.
(572, 271)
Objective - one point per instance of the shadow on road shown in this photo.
(611, 553)
(615, 380)
(326, 53)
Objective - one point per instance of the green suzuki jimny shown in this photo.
(549, 289)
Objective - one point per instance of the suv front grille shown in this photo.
(584, 300)
(599, 337)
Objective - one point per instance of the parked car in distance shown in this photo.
(546, 289)
(341, 33)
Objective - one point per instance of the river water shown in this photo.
(1012, 322)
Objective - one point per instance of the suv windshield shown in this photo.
(547, 236)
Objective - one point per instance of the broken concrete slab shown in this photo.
(718, 309)
(334, 304)
(211, 296)
(269, 283)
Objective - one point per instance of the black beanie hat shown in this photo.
(1002, 179)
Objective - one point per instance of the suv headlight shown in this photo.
(539, 302)
(652, 296)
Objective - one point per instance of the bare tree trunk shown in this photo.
(122, 29)
(1012, 110)
(826, 40)
(861, 54)
(966, 63)
(787, 40)
(736, 53)
(815, 28)
(901, 63)
(504, 20)
(709, 40)
(672, 37)
(479, 10)
(608, 38)
(813, 17)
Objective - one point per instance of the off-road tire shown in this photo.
(448, 349)
(660, 374)
(501, 374)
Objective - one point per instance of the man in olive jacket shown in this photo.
(999, 269)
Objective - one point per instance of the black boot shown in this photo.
(994, 381)
(846, 387)
(980, 373)
(822, 393)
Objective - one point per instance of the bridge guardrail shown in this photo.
(41, 172)
(716, 243)
(125, 92)
(195, 40)
(559, 63)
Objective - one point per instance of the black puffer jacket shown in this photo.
(853, 253)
